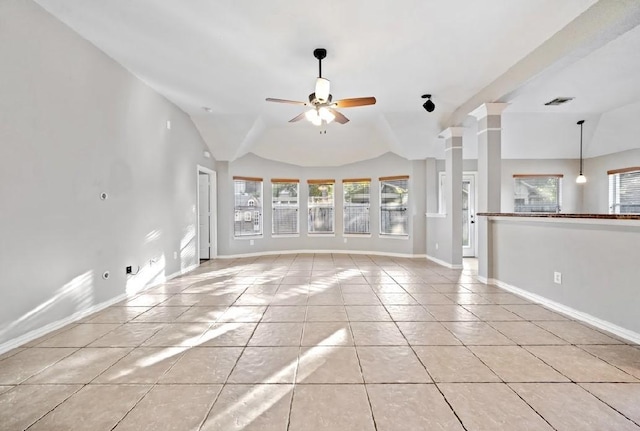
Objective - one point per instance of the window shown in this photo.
(536, 193)
(624, 191)
(356, 205)
(321, 206)
(394, 199)
(284, 196)
(247, 220)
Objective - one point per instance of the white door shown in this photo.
(204, 215)
(468, 215)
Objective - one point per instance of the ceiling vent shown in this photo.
(559, 101)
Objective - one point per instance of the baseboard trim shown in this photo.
(360, 252)
(572, 312)
(39, 332)
(443, 263)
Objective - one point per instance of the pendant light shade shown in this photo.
(581, 178)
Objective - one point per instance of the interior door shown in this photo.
(204, 215)
(468, 215)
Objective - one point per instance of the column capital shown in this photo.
(487, 109)
(451, 132)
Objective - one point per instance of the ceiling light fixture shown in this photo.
(428, 106)
(318, 115)
(581, 178)
(323, 87)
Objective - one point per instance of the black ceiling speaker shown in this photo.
(428, 105)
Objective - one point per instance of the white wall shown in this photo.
(73, 124)
(596, 198)
(388, 164)
(598, 260)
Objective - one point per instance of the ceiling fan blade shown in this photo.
(293, 102)
(357, 101)
(340, 118)
(297, 118)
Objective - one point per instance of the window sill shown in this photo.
(248, 237)
(390, 236)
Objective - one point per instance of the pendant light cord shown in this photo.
(581, 122)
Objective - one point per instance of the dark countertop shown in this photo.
(566, 216)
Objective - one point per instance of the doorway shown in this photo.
(206, 212)
(469, 214)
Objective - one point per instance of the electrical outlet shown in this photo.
(345, 240)
(251, 242)
(128, 270)
(557, 277)
(175, 254)
(436, 245)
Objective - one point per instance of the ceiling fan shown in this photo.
(321, 101)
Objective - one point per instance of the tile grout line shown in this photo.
(609, 405)
(297, 368)
(226, 380)
(430, 376)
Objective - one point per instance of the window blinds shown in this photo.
(624, 191)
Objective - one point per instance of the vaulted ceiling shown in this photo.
(228, 56)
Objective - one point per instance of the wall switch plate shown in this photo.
(345, 240)
(436, 245)
(557, 277)
(251, 242)
(175, 254)
(128, 270)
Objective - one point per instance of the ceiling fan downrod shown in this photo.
(320, 53)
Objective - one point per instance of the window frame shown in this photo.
(346, 204)
(274, 207)
(558, 200)
(382, 182)
(311, 206)
(253, 214)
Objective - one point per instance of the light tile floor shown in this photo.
(323, 342)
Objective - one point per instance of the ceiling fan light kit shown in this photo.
(321, 101)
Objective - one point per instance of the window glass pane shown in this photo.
(321, 208)
(356, 207)
(285, 208)
(394, 199)
(624, 193)
(536, 194)
(248, 208)
(466, 186)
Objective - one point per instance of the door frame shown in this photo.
(474, 176)
(213, 206)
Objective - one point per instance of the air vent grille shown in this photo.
(559, 101)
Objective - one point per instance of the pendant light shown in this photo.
(581, 178)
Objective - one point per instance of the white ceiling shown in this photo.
(231, 55)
